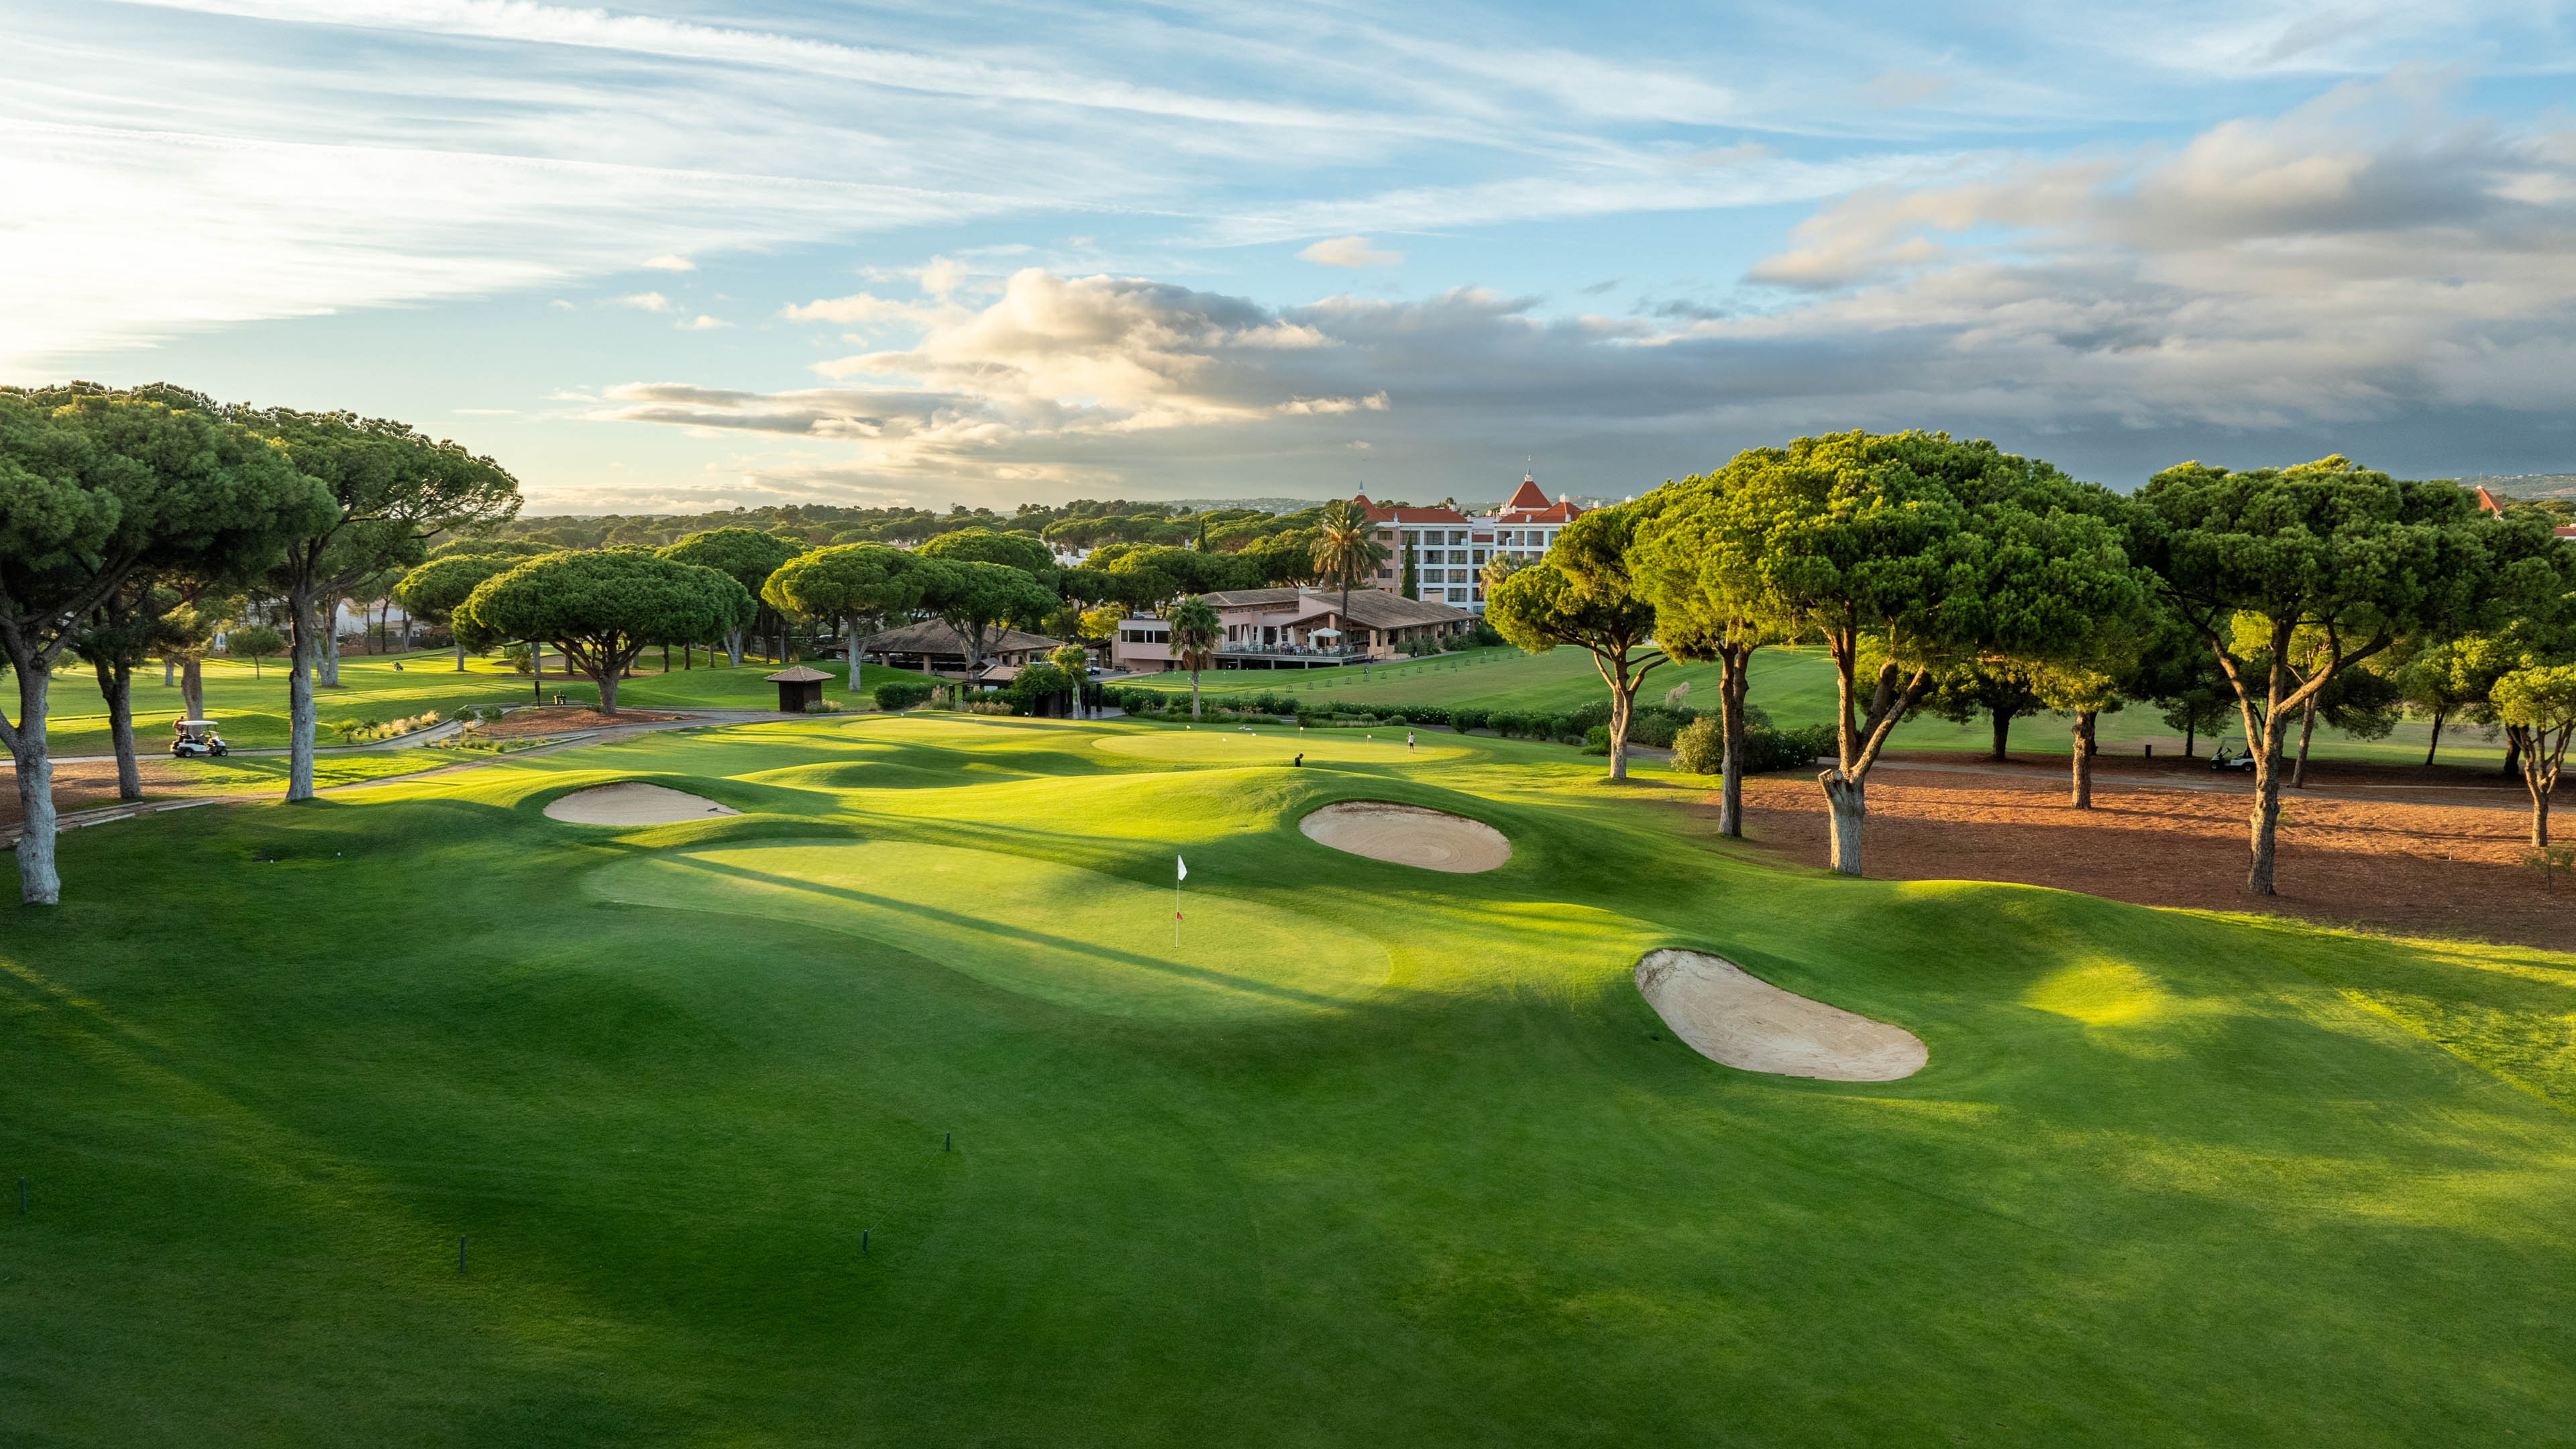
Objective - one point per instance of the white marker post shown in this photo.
(1176, 899)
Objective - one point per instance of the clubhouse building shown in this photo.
(1449, 549)
(1302, 628)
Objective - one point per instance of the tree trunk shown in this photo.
(192, 688)
(1732, 685)
(460, 659)
(1849, 807)
(331, 645)
(39, 883)
(116, 685)
(850, 653)
(666, 659)
(2190, 735)
(169, 670)
(606, 679)
(1623, 704)
(1194, 696)
(2083, 784)
(2307, 728)
(2003, 733)
(2436, 747)
(733, 647)
(299, 698)
(2266, 820)
(2512, 753)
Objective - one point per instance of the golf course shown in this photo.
(903, 1093)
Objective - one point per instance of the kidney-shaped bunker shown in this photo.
(1743, 1021)
(1408, 835)
(633, 802)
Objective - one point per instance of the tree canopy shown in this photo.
(603, 608)
(1904, 554)
(2250, 559)
(979, 600)
(853, 584)
(1021, 551)
(1584, 593)
(98, 491)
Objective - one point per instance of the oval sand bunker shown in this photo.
(1741, 1021)
(633, 803)
(1408, 835)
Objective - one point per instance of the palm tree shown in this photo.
(1195, 633)
(1345, 553)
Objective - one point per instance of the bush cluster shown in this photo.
(1700, 749)
(902, 694)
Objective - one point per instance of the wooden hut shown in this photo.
(798, 687)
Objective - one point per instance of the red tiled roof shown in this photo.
(1528, 496)
(1529, 505)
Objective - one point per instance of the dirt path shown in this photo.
(2442, 861)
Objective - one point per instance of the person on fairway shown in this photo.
(1408, 739)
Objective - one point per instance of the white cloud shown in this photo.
(670, 262)
(648, 302)
(1349, 251)
(702, 323)
(863, 309)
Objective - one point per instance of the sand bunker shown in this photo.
(1408, 835)
(633, 803)
(1743, 1022)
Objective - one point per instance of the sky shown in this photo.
(669, 257)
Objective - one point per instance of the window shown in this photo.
(1480, 556)
(1457, 596)
(1479, 593)
(1457, 555)
(1458, 537)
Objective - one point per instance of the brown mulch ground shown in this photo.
(2413, 851)
(89, 786)
(562, 720)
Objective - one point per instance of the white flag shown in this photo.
(1185, 867)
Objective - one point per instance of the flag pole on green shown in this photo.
(1176, 897)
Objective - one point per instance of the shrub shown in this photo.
(1465, 718)
(1394, 719)
(1654, 729)
(1596, 740)
(1582, 721)
(823, 706)
(1552, 727)
(900, 695)
(1698, 748)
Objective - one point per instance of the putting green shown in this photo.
(1028, 926)
(1229, 745)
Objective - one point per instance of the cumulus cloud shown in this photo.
(648, 302)
(702, 323)
(2363, 274)
(1349, 251)
(670, 262)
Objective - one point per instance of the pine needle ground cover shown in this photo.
(888, 1111)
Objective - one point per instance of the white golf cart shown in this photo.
(197, 740)
(2241, 761)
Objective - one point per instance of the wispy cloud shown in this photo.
(1349, 251)
(670, 262)
(647, 302)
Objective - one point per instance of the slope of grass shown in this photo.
(250, 700)
(1376, 1155)
(1795, 686)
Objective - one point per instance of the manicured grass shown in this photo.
(251, 701)
(1377, 1155)
(1795, 686)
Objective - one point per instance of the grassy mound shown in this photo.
(1376, 1155)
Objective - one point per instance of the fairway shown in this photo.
(887, 1110)
(1051, 932)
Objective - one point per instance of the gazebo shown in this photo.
(798, 687)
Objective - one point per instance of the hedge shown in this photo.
(901, 694)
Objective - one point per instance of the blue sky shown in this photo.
(675, 256)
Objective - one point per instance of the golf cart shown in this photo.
(2241, 762)
(197, 740)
